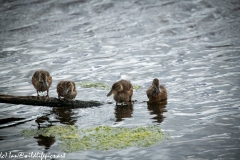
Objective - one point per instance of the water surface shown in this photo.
(191, 46)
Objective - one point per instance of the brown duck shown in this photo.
(156, 92)
(67, 90)
(41, 81)
(122, 90)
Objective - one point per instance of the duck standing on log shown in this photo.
(156, 92)
(41, 81)
(67, 90)
(122, 90)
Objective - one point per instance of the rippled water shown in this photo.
(191, 46)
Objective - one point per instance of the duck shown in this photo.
(67, 90)
(156, 92)
(122, 91)
(42, 81)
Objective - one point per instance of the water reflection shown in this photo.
(64, 115)
(45, 141)
(42, 120)
(157, 109)
(124, 111)
(13, 120)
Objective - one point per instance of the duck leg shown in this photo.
(47, 96)
(59, 98)
(37, 93)
(67, 100)
(130, 99)
(38, 96)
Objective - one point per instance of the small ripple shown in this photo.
(220, 114)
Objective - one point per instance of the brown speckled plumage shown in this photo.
(156, 92)
(122, 90)
(41, 81)
(66, 89)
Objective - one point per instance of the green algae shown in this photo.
(136, 87)
(94, 85)
(100, 138)
(99, 85)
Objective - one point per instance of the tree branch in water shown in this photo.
(44, 101)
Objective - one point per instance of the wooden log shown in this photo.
(44, 101)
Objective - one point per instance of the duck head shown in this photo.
(68, 88)
(116, 87)
(155, 84)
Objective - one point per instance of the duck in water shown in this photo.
(156, 92)
(122, 91)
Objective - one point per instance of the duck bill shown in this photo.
(65, 91)
(109, 94)
(45, 83)
(158, 89)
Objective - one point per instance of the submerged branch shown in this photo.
(44, 101)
